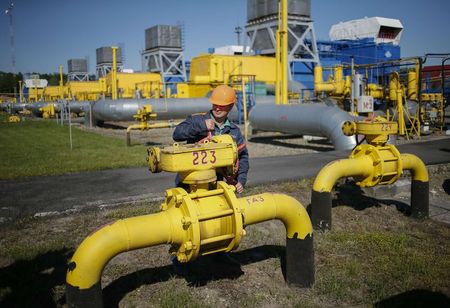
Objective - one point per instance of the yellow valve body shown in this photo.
(220, 152)
(197, 222)
(211, 218)
(144, 114)
(385, 158)
(387, 165)
(376, 128)
(48, 111)
(376, 163)
(376, 132)
(13, 119)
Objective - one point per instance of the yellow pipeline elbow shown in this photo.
(335, 170)
(86, 266)
(267, 206)
(348, 85)
(324, 182)
(415, 164)
(419, 185)
(299, 239)
(319, 85)
(132, 127)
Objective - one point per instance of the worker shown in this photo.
(215, 122)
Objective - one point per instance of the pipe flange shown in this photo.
(232, 200)
(399, 165)
(190, 247)
(367, 150)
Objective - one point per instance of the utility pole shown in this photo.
(8, 12)
(238, 31)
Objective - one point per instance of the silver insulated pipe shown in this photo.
(17, 107)
(35, 107)
(166, 109)
(315, 119)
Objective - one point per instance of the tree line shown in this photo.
(9, 81)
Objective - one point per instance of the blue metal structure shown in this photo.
(363, 51)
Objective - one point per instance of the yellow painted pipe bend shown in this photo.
(151, 126)
(162, 125)
(268, 206)
(415, 164)
(98, 248)
(132, 127)
(333, 171)
(123, 235)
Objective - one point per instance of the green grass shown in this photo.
(36, 148)
(359, 265)
(370, 266)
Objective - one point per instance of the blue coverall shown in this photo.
(194, 129)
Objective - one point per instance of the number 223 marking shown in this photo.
(201, 157)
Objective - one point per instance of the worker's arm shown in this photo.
(194, 127)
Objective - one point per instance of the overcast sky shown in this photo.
(49, 32)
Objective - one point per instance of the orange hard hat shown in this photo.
(223, 95)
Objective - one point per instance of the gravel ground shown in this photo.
(262, 144)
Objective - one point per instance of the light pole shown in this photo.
(8, 12)
(238, 31)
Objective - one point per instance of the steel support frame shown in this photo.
(102, 69)
(166, 60)
(302, 51)
(77, 76)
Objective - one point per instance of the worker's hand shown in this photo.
(209, 124)
(239, 188)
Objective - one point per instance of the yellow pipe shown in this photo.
(338, 85)
(61, 83)
(146, 126)
(363, 167)
(171, 226)
(98, 248)
(323, 184)
(20, 92)
(133, 127)
(394, 85)
(244, 101)
(319, 85)
(419, 185)
(375, 90)
(284, 52)
(418, 169)
(114, 74)
(335, 170)
(151, 126)
(401, 119)
(347, 85)
(278, 62)
(412, 85)
(338, 73)
(339, 79)
(268, 206)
